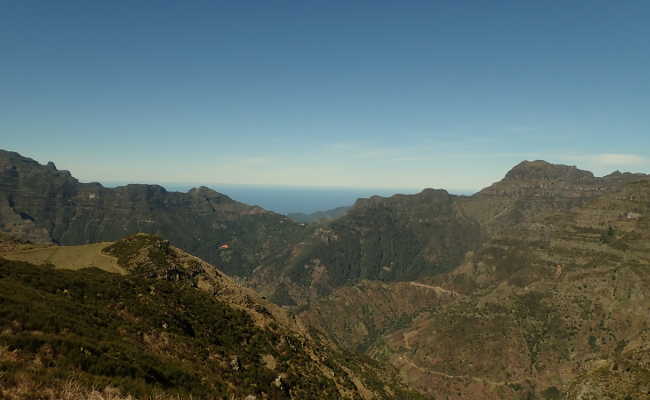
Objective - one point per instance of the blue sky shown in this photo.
(336, 93)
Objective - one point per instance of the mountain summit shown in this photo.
(538, 170)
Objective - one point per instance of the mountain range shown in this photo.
(45, 205)
(533, 288)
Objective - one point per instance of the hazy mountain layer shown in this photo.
(41, 204)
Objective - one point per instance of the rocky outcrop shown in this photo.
(542, 170)
(534, 187)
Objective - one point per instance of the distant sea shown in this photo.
(289, 199)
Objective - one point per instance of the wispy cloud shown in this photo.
(613, 159)
(370, 151)
(607, 160)
(521, 129)
(602, 163)
(255, 160)
(408, 159)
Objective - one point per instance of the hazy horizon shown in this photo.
(286, 199)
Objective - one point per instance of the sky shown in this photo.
(412, 94)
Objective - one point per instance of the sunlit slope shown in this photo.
(173, 326)
(553, 304)
(68, 257)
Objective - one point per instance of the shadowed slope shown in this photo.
(403, 237)
(42, 204)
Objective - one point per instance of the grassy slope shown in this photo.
(153, 333)
(138, 335)
(68, 257)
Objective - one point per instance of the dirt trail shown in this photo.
(409, 362)
(439, 291)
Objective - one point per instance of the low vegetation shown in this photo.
(152, 334)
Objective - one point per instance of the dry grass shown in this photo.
(69, 257)
(71, 390)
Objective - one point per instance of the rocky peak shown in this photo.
(434, 194)
(426, 195)
(142, 188)
(13, 165)
(12, 156)
(623, 177)
(207, 193)
(153, 257)
(542, 170)
(529, 188)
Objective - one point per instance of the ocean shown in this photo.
(286, 199)
(289, 199)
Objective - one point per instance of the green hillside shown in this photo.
(172, 327)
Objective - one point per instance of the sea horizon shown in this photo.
(285, 199)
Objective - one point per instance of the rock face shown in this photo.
(534, 187)
(42, 204)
